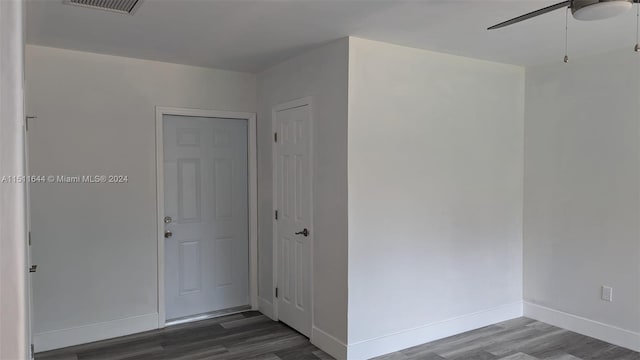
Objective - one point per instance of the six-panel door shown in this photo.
(293, 202)
(206, 208)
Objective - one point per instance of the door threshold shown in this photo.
(208, 315)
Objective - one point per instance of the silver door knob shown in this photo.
(33, 268)
(168, 219)
(168, 234)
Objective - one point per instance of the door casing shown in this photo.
(306, 101)
(252, 196)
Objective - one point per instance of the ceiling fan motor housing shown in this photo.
(599, 9)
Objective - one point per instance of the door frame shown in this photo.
(306, 101)
(252, 182)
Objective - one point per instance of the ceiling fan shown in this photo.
(580, 9)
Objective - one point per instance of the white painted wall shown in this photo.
(435, 152)
(418, 187)
(95, 244)
(582, 188)
(323, 75)
(14, 329)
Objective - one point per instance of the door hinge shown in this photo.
(276, 214)
(33, 351)
(26, 122)
(275, 137)
(276, 292)
(29, 237)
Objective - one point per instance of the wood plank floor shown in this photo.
(252, 335)
(519, 339)
(249, 335)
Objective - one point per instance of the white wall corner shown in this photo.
(266, 307)
(328, 343)
(430, 332)
(56, 339)
(584, 326)
(14, 285)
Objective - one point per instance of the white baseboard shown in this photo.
(56, 339)
(266, 307)
(423, 334)
(328, 344)
(584, 326)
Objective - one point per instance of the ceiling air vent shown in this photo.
(119, 6)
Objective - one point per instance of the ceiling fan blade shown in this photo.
(534, 14)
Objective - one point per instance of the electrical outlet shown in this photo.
(607, 293)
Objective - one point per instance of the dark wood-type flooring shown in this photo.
(253, 336)
(519, 339)
(248, 335)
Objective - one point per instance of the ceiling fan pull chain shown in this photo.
(637, 47)
(566, 36)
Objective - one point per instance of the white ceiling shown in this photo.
(251, 35)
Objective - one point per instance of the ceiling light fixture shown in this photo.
(599, 9)
(585, 10)
(580, 9)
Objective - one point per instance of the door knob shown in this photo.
(167, 219)
(33, 268)
(304, 232)
(168, 234)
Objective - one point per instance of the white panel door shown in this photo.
(293, 203)
(206, 208)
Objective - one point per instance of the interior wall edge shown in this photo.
(321, 74)
(57, 339)
(329, 343)
(434, 331)
(581, 188)
(266, 307)
(14, 288)
(115, 105)
(584, 326)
